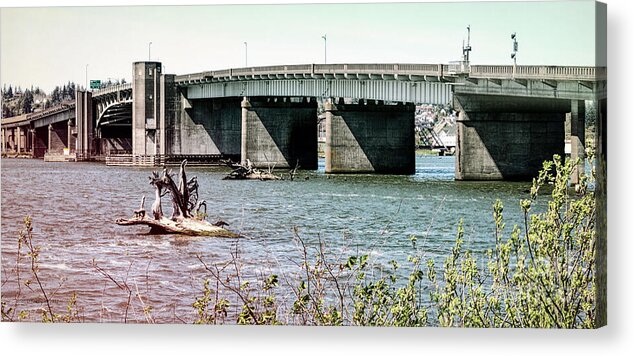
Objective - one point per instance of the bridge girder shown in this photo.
(115, 112)
(358, 88)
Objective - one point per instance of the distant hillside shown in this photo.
(16, 101)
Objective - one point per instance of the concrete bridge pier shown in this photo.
(11, 139)
(279, 132)
(507, 138)
(85, 123)
(40, 141)
(18, 138)
(146, 94)
(28, 140)
(370, 137)
(71, 141)
(577, 136)
(204, 127)
(57, 137)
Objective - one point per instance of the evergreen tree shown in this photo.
(27, 102)
(6, 112)
(56, 95)
(10, 92)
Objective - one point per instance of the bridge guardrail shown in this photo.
(438, 70)
(539, 72)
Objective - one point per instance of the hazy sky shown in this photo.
(52, 45)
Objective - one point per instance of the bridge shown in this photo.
(511, 118)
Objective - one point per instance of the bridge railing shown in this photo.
(329, 69)
(438, 70)
(539, 72)
(221, 73)
(319, 69)
(51, 111)
(420, 69)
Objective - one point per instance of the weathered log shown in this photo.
(186, 226)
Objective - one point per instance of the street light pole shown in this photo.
(86, 83)
(325, 47)
(149, 51)
(246, 55)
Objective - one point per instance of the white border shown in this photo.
(616, 339)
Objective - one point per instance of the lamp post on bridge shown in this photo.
(246, 54)
(149, 51)
(86, 83)
(325, 47)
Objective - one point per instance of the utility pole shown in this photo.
(149, 51)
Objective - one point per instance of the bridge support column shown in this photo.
(18, 138)
(245, 105)
(71, 141)
(507, 138)
(370, 138)
(577, 137)
(84, 120)
(40, 141)
(205, 127)
(146, 96)
(33, 143)
(57, 137)
(28, 141)
(4, 140)
(279, 132)
(168, 113)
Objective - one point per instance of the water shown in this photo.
(74, 205)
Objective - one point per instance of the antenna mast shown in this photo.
(466, 49)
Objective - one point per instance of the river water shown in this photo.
(74, 205)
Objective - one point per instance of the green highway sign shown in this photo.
(95, 84)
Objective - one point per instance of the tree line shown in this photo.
(17, 101)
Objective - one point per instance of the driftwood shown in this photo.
(247, 171)
(187, 216)
(191, 227)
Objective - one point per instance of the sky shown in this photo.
(48, 46)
